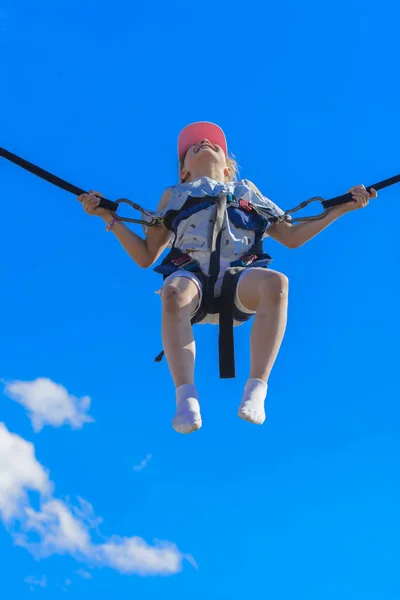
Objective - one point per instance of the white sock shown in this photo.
(187, 417)
(252, 406)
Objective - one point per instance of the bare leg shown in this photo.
(266, 292)
(180, 297)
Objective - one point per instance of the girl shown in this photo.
(207, 180)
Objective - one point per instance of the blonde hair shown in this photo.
(231, 163)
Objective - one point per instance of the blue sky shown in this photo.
(305, 506)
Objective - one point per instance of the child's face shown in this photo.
(204, 154)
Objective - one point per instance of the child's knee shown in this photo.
(175, 299)
(274, 286)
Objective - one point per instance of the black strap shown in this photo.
(348, 197)
(224, 305)
(226, 339)
(61, 183)
(215, 253)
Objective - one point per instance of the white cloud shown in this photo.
(19, 472)
(59, 531)
(86, 514)
(134, 555)
(84, 574)
(59, 528)
(142, 465)
(34, 582)
(49, 403)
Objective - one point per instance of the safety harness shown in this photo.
(244, 216)
(239, 211)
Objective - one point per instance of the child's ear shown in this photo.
(183, 174)
(227, 172)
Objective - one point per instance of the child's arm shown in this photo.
(294, 236)
(144, 252)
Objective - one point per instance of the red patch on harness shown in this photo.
(245, 205)
(249, 258)
(181, 260)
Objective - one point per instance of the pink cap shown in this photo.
(194, 133)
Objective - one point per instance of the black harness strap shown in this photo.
(57, 181)
(348, 197)
(113, 206)
(226, 340)
(215, 254)
(223, 305)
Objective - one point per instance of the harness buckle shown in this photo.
(245, 205)
(181, 261)
(245, 261)
(185, 262)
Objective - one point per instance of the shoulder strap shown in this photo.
(173, 217)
